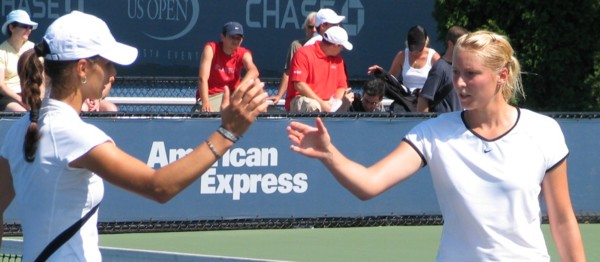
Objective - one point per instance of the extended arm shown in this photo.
(363, 182)
(563, 223)
(125, 171)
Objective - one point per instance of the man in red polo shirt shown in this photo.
(318, 74)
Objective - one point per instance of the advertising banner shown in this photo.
(170, 34)
(260, 177)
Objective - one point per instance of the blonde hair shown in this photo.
(497, 53)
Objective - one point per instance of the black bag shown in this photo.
(404, 100)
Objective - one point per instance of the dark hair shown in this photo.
(374, 87)
(454, 33)
(416, 38)
(31, 74)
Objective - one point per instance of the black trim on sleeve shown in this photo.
(418, 152)
(558, 163)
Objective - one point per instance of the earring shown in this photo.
(84, 80)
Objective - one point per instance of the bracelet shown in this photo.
(227, 134)
(212, 149)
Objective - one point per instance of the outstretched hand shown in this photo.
(240, 109)
(373, 68)
(310, 141)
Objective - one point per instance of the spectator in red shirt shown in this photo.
(318, 74)
(221, 67)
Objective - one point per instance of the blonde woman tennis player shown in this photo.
(57, 162)
(489, 163)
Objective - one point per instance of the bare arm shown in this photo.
(397, 63)
(7, 192)
(304, 89)
(5, 91)
(125, 171)
(347, 100)
(285, 77)
(563, 223)
(203, 74)
(251, 69)
(435, 58)
(422, 105)
(363, 182)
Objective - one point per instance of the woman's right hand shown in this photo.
(240, 109)
(310, 141)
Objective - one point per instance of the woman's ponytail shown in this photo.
(31, 74)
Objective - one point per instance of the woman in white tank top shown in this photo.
(414, 62)
(414, 77)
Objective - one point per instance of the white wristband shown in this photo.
(227, 134)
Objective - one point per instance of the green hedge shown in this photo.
(556, 41)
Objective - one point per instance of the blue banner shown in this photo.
(260, 177)
(170, 34)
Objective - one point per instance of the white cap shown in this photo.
(327, 15)
(20, 17)
(337, 35)
(78, 35)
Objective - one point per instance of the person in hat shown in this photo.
(221, 65)
(490, 164)
(324, 19)
(309, 30)
(415, 61)
(18, 27)
(54, 164)
(318, 78)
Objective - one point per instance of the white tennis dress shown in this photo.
(50, 195)
(488, 190)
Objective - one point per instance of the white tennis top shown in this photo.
(488, 190)
(51, 196)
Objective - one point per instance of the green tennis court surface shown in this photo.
(395, 243)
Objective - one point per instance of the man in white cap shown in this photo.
(325, 19)
(18, 27)
(318, 78)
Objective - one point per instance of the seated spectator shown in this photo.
(413, 62)
(318, 78)
(309, 30)
(101, 105)
(438, 94)
(221, 67)
(370, 100)
(325, 19)
(18, 27)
